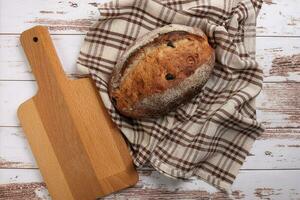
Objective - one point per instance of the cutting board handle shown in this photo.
(42, 57)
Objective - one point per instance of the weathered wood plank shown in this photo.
(279, 18)
(14, 65)
(15, 151)
(21, 191)
(19, 176)
(274, 153)
(274, 150)
(257, 184)
(279, 118)
(279, 96)
(65, 17)
(279, 57)
(278, 104)
(281, 133)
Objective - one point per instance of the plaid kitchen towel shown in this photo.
(210, 136)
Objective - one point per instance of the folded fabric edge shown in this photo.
(82, 69)
(207, 177)
(165, 169)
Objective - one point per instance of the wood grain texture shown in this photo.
(279, 18)
(15, 67)
(21, 191)
(250, 184)
(79, 150)
(279, 58)
(44, 153)
(60, 16)
(276, 149)
(74, 17)
(286, 97)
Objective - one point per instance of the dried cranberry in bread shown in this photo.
(161, 70)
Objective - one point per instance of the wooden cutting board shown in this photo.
(80, 152)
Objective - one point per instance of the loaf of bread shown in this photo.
(161, 70)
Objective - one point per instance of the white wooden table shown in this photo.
(271, 171)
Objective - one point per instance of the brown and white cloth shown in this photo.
(210, 136)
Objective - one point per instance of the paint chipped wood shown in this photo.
(12, 164)
(37, 191)
(62, 17)
(15, 67)
(263, 193)
(80, 25)
(81, 13)
(287, 97)
(281, 133)
(52, 12)
(279, 58)
(21, 191)
(282, 65)
(275, 184)
(269, 2)
(279, 18)
(272, 118)
(154, 194)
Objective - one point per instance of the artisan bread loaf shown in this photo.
(160, 71)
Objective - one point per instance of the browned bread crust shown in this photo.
(160, 71)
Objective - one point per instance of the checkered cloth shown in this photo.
(211, 135)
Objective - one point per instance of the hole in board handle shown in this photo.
(35, 39)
